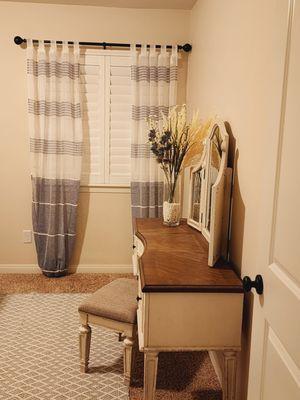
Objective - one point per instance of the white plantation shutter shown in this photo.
(92, 82)
(120, 122)
(106, 87)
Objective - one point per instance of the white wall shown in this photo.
(104, 216)
(236, 71)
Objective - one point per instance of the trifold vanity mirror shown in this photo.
(209, 192)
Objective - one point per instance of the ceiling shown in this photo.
(155, 4)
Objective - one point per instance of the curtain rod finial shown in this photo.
(18, 40)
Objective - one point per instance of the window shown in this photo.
(106, 89)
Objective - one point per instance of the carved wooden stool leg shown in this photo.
(128, 343)
(84, 346)
(229, 378)
(150, 372)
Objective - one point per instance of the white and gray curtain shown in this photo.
(154, 80)
(55, 126)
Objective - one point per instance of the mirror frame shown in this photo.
(218, 195)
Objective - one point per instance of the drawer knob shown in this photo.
(138, 298)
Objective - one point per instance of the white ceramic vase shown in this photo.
(171, 213)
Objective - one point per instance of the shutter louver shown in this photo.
(119, 129)
(92, 82)
(106, 90)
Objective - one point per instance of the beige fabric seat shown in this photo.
(114, 307)
(116, 301)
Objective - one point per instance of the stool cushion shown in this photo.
(116, 301)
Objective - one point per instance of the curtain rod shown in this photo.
(186, 47)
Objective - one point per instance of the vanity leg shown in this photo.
(128, 343)
(84, 346)
(150, 372)
(229, 378)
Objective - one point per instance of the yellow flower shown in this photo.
(199, 133)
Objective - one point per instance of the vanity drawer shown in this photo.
(140, 325)
(141, 312)
(138, 249)
(135, 261)
(192, 320)
(138, 246)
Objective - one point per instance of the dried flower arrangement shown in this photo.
(176, 144)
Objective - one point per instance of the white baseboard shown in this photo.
(215, 360)
(87, 268)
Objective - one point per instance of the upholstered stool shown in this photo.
(114, 307)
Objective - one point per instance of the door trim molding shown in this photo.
(281, 125)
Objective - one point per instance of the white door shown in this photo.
(275, 344)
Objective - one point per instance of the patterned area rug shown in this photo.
(39, 357)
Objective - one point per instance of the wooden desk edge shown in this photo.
(190, 289)
(178, 288)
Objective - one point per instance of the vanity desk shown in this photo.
(183, 304)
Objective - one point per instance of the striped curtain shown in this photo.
(55, 127)
(154, 80)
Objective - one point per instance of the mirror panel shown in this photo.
(196, 195)
(215, 156)
(197, 192)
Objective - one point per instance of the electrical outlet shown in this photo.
(27, 236)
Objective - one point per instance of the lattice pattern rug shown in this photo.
(39, 356)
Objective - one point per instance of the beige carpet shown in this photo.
(181, 376)
(38, 283)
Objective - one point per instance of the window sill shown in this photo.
(105, 188)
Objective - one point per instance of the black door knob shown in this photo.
(257, 284)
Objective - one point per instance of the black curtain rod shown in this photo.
(186, 47)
